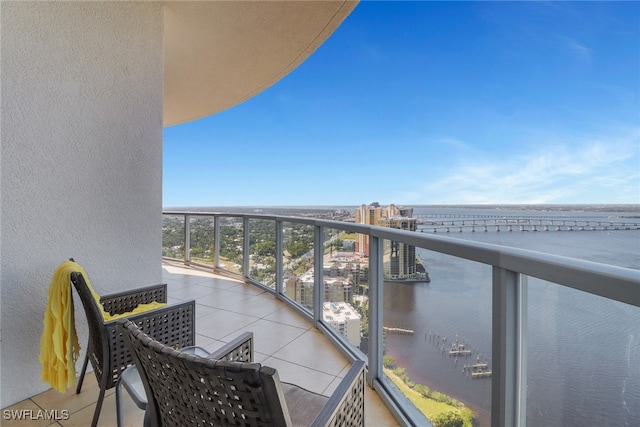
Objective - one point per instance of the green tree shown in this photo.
(423, 390)
(447, 419)
(468, 415)
(265, 248)
(296, 249)
(389, 362)
(364, 325)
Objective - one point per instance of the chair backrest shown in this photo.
(98, 340)
(184, 389)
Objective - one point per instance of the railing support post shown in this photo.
(318, 279)
(376, 306)
(216, 242)
(246, 247)
(187, 239)
(279, 258)
(508, 391)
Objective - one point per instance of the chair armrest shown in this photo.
(172, 325)
(123, 302)
(346, 404)
(240, 349)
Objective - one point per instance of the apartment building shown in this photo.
(344, 318)
(400, 259)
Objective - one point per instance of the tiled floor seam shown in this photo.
(91, 404)
(309, 320)
(280, 323)
(276, 322)
(247, 328)
(228, 311)
(304, 366)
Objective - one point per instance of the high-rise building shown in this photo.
(401, 263)
(336, 288)
(344, 318)
(400, 259)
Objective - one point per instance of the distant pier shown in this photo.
(457, 349)
(399, 331)
(478, 369)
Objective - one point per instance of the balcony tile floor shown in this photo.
(224, 308)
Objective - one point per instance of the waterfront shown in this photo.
(583, 350)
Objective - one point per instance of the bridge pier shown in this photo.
(525, 224)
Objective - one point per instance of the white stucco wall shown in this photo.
(80, 162)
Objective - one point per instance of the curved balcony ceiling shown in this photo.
(218, 54)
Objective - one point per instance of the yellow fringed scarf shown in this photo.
(59, 348)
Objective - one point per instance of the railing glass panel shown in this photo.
(262, 251)
(173, 236)
(437, 335)
(201, 240)
(345, 307)
(583, 359)
(231, 244)
(298, 271)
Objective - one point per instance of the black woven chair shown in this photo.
(185, 389)
(240, 349)
(173, 325)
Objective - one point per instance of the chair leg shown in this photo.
(96, 414)
(84, 369)
(118, 404)
(147, 418)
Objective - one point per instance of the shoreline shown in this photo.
(411, 394)
(482, 415)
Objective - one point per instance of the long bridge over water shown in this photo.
(435, 223)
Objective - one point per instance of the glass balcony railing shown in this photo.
(298, 280)
(484, 345)
(262, 252)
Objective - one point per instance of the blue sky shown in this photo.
(433, 103)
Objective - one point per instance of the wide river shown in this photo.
(583, 350)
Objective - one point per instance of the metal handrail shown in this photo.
(511, 266)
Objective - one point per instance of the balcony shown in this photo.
(515, 308)
(225, 307)
(250, 272)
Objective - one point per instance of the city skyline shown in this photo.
(425, 103)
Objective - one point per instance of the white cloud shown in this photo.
(592, 170)
(454, 143)
(578, 50)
